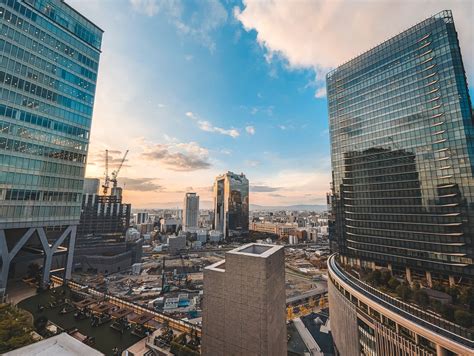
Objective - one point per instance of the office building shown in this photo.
(142, 218)
(231, 205)
(102, 215)
(190, 211)
(402, 154)
(244, 309)
(49, 56)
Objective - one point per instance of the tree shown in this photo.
(385, 277)
(463, 318)
(15, 328)
(374, 277)
(421, 297)
(403, 291)
(447, 311)
(393, 283)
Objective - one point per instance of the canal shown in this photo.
(106, 338)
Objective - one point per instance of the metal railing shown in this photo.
(138, 309)
(423, 318)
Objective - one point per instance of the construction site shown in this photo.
(173, 284)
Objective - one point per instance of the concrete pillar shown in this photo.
(70, 253)
(389, 266)
(441, 351)
(408, 275)
(4, 277)
(5, 263)
(7, 256)
(452, 282)
(48, 260)
(429, 280)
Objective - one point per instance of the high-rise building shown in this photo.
(244, 309)
(49, 56)
(231, 204)
(102, 215)
(142, 217)
(190, 211)
(402, 152)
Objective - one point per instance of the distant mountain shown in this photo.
(302, 207)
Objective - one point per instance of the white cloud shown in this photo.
(196, 21)
(250, 130)
(320, 92)
(207, 126)
(176, 156)
(252, 163)
(147, 7)
(322, 34)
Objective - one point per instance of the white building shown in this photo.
(190, 211)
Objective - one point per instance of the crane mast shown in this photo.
(106, 184)
(113, 176)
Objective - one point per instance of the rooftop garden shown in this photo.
(455, 304)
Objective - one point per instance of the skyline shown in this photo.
(230, 91)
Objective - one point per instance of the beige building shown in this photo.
(281, 230)
(367, 321)
(244, 303)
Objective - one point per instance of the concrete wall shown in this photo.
(343, 322)
(244, 311)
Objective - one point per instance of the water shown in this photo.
(106, 338)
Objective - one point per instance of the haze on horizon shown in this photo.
(196, 88)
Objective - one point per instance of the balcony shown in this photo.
(425, 319)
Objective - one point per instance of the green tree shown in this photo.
(374, 277)
(403, 291)
(15, 328)
(393, 283)
(421, 297)
(463, 318)
(447, 311)
(385, 276)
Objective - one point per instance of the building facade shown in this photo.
(402, 154)
(401, 131)
(49, 56)
(244, 309)
(103, 215)
(231, 204)
(190, 211)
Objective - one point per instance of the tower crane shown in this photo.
(105, 186)
(116, 172)
(113, 176)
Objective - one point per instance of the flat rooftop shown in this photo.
(256, 250)
(59, 345)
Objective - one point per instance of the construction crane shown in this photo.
(114, 174)
(105, 186)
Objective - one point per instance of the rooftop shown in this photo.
(60, 345)
(256, 250)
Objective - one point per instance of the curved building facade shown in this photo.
(365, 321)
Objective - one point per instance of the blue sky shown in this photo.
(196, 88)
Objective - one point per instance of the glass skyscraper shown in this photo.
(402, 153)
(49, 57)
(231, 204)
(401, 129)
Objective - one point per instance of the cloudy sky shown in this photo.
(194, 88)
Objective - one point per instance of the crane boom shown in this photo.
(105, 186)
(116, 172)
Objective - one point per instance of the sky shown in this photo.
(195, 88)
